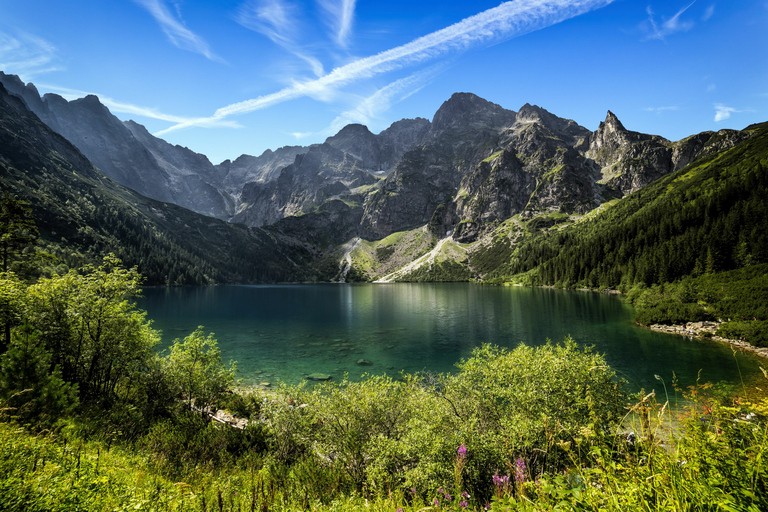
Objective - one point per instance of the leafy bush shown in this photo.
(754, 332)
(195, 371)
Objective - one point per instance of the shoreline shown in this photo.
(706, 330)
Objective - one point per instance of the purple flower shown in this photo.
(463, 504)
(462, 451)
(399, 510)
(447, 497)
(520, 471)
(500, 480)
(465, 494)
(436, 502)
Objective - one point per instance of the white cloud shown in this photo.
(722, 112)
(708, 13)
(667, 27)
(369, 108)
(659, 110)
(302, 135)
(174, 28)
(277, 20)
(508, 20)
(26, 55)
(341, 14)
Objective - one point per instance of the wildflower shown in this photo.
(436, 502)
(448, 497)
(399, 510)
(519, 471)
(462, 451)
(465, 494)
(500, 481)
(463, 504)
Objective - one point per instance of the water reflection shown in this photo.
(286, 332)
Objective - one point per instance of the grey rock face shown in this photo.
(629, 160)
(127, 153)
(475, 165)
(537, 172)
(263, 168)
(323, 173)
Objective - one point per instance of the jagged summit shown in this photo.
(466, 111)
(612, 123)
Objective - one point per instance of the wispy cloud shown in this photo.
(667, 27)
(127, 108)
(708, 13)
(27, 55)
(174, 28)
(723, 112)
(277, 20)
(368, 109)
(508, 20)
(659, 110)
(340, 16)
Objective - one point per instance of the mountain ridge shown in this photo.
(464, 174)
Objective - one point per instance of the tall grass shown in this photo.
(366, 446)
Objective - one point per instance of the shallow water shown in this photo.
(286, 332)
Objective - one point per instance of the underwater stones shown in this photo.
(265, 384)
(364, 362)
(318, 376)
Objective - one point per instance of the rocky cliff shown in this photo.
(475, 165)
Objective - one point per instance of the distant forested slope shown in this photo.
(711, 216)
(82, 215)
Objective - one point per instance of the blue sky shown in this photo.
(240, 76)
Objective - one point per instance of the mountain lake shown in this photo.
(286, 332)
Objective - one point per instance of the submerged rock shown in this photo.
(318, 376)
(364, 362)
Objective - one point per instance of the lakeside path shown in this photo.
(706, 330)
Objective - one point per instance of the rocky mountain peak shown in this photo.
(466, 111)
(611, 124)
(570, 131)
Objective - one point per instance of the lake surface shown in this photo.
(286, 332)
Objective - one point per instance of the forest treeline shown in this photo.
(672, 237)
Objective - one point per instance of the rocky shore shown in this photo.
(707, 330)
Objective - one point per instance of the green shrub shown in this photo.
(754, 332)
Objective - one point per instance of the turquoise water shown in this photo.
(286, 332)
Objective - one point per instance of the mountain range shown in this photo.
(365, 205)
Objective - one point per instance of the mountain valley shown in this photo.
(448, 199)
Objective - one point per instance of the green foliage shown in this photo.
(729, 296)
(524, 402)
(754, 332)
(418, 443)
(33, 391)
(195, 371)
(17, 229)
(440, 271)
(89, 324)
